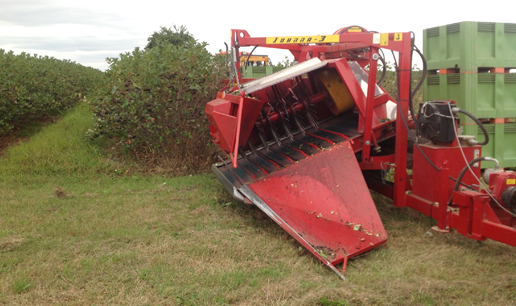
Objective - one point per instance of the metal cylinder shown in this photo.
(509, 198)
(340, 99)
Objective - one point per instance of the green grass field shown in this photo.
(78, 228)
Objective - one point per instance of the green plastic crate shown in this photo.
(502, 142)
(255, 72)
(485, 95)
(460, 57)
(469, 46)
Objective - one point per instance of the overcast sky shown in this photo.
(89, 31)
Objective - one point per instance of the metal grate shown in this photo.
(509, 28)
(432, 32)
(432, 80)
(486, 26)
(453, 28)
(453, 78)
(486, 77)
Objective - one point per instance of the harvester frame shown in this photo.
(244, 114)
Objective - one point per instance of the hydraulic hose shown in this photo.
(413, 92)
(419, 83)
(423, 74)
(480, 125)
(461, 175)
(247, 60)
(413, 116)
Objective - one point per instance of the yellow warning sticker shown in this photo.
(384, 39)
(511, 182)
(355, 29)
(398, 36)
(314, 39)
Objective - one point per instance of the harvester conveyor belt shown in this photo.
(263, 161)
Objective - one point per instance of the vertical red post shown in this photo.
(236, 143)
(443, 216)
(400, 174)
(373, 66)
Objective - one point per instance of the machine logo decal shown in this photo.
(398, 36)
(303, 39)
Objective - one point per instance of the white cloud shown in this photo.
(88, 31)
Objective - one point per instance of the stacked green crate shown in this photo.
(470, 45)
(473, 63)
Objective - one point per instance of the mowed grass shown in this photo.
(73, 231)
(61, 149)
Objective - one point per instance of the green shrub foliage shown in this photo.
(32, 85)
(153, 101)
(178, 36)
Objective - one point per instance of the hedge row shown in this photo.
(34, 85)
(153, 103)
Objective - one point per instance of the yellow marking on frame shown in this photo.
(398, 36)
(354, 29)
(511, 182)
(384, 39)
(314, 39)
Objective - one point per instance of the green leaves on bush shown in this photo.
(35, 85)
(153, 101)
(178, 36)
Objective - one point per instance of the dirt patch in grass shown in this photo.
(8, 243)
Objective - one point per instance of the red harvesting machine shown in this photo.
(307, 143)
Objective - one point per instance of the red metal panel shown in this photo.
(326, 200)
(222, 123)
(426, 182)
(223, 113)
